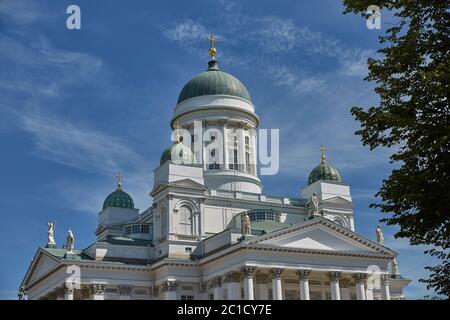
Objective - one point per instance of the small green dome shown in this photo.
(182, 153)
(213, 82)
(324, 172)
(119, 199)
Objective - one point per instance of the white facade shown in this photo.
(189, 244)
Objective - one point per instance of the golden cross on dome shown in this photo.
(119, 184)
(322, 158)
(212, 40)
(212, 51)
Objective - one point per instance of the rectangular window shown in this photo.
(233, 153)
(247, 155)
(183, 297)
(136, 229)
(145, 229)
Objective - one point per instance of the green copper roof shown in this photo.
(324, 172)
(120, 199)
(213, 82)
(182, 152)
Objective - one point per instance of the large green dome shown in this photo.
(213, 82)
(324, 172)
(120, 199)
(182, 152)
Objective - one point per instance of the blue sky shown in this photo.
(76, 107)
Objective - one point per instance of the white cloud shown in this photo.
(278, 35)
(283, 76)
(75, 145)
(354, 62)
(187, 32)
(20, 12)
(34, 66)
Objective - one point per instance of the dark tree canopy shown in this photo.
(412, 81)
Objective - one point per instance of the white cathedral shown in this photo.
(211, 233)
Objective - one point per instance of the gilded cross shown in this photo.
(119, 184)
(212, 51)
(322, 158)
(212, 40)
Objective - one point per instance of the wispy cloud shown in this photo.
(186, 32)
(20, 12)
(90, 150)
(34, 66)
(283, 76)
(76, 145)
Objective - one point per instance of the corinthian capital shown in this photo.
(276, 273)
(303, 274)
(248, 271)
(334, 276)
(360, 277)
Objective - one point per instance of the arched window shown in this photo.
(185, 220)
(340, 221)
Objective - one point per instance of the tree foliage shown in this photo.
(413, 117)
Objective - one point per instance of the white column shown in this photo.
(98, 290)
(385, 293)
(68, 291)
(170, 288)
(303, 277)
(204, 155)
(223, 124)
(125, 292)
(241, 146)
(360, 279)
(248, 282)
(233, 280)
(217, 288)
(334, 285)
(276, 284)
(254, 150)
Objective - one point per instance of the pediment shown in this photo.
(41, 265)
(184, 183)
(337, 200)
(323, 235)
(187, 183)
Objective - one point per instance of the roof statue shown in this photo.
(70, 242)
(245, 224)
(380, 237)
(50, 235)
(394, 267)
